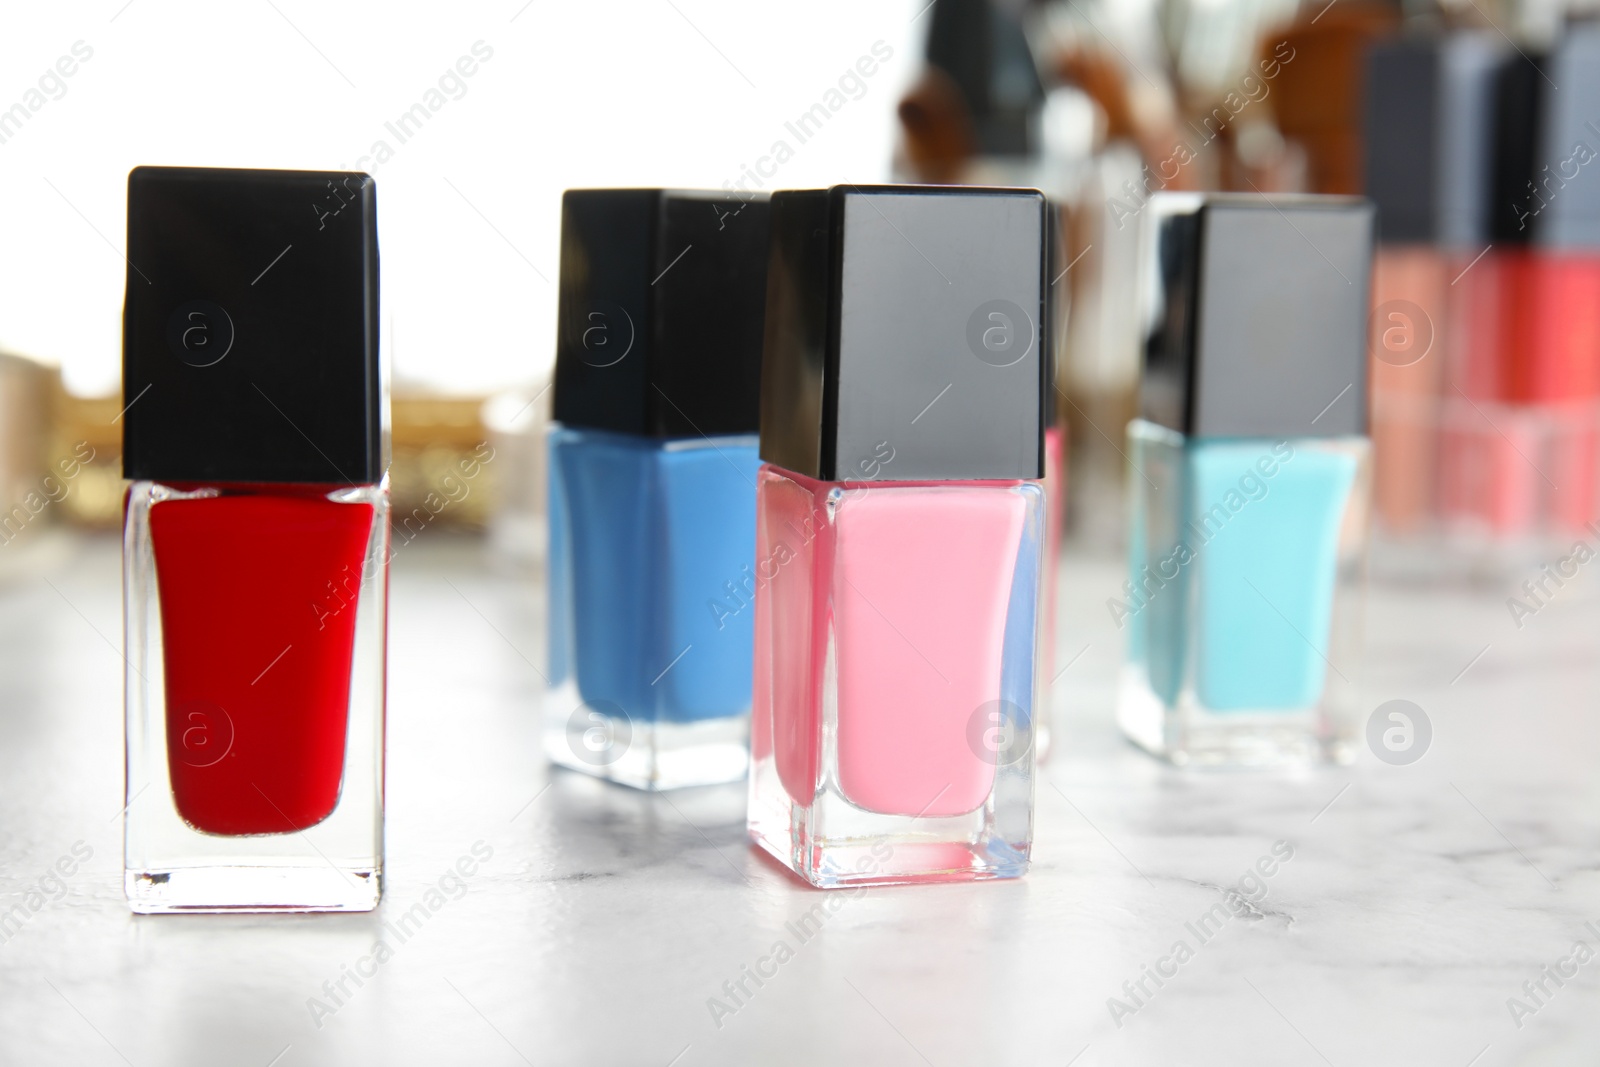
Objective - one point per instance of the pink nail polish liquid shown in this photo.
(882, 735)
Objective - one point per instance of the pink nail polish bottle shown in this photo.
(898, 536)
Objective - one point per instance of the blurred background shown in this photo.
(1101, 103)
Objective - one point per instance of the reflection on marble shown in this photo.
(608, 926)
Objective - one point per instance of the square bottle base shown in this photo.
(652, 756)
(252, 889)
(842, 864)
(1189, 735)
(833, 844)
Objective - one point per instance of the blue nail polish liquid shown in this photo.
(1018, 672)
(651, 578)
(1245, 559)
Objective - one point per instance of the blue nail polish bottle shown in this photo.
(1249, 478)
(652, 485)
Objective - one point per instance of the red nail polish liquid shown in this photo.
(255, 543)
(257, 660)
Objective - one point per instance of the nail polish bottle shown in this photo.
(1429, 148)
(1248, 483)
(1547, 213)
(652, 472)
(255, 541)
(1493, 436)
(898, 537)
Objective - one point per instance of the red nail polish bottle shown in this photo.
(1553, 202)
(255, 542)
(1524, 435)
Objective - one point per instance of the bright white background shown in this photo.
(633, 92)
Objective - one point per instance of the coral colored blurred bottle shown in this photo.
(899, 527)
(1429, 141)
(255, 542)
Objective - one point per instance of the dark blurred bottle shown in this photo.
(979, 94)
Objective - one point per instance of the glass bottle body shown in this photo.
(1242, 603)
(896, 638)
(1410, 349)
(256, 624)
(651, 572)
(1520, 425)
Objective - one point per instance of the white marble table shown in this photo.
(1418, 899)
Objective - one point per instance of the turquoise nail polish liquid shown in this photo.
(1242, 555)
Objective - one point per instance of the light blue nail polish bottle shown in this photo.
(1248, 483)
(652, 485)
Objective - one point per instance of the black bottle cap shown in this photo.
(659, 330)
(250, 328)
(1517, 106)
(1430, 119)
(907, 320)
(1547, 188)
(1259, 316)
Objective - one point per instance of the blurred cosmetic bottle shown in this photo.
(1518, 437)
(1249, 483)
(652, 471)
(518, 530)
(899, 530)
(31, 433)
(1429, 144)
(254, 542)
(1545, 312)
